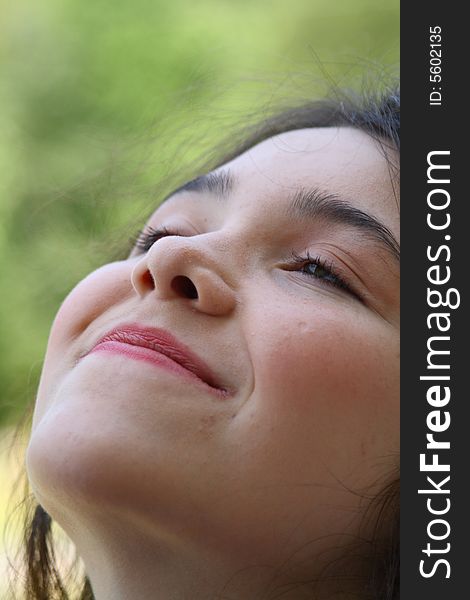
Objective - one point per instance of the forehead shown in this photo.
(342, 161)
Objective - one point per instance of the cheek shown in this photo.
(333, 377)
(324, 351)
(89, 299)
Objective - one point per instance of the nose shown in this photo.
(180, 268)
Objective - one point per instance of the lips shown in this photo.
(161, 342)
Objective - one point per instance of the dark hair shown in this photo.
(379, 116)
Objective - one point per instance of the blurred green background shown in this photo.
(99, 101)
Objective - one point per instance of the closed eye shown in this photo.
(149, 235)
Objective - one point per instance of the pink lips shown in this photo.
(158, 347)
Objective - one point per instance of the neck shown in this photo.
(138, 570)
(126, 560)
(133, 567)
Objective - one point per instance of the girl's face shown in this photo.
(269, 403)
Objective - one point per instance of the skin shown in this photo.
(170, 491)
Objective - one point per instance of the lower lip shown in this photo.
(154, 358)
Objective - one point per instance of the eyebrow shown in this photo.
(219, 183)
(319, 204)
(312, 204)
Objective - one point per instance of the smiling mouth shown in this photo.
(158, 347)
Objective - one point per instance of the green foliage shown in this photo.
(100, 101)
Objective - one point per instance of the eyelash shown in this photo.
(149, 235)
(331, 275)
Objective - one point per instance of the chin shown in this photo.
(72, 464)
(95, 449)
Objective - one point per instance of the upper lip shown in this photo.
(165, 343)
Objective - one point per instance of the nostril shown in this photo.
(183, 286)
(148, 280)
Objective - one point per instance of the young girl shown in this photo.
(218, 414)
